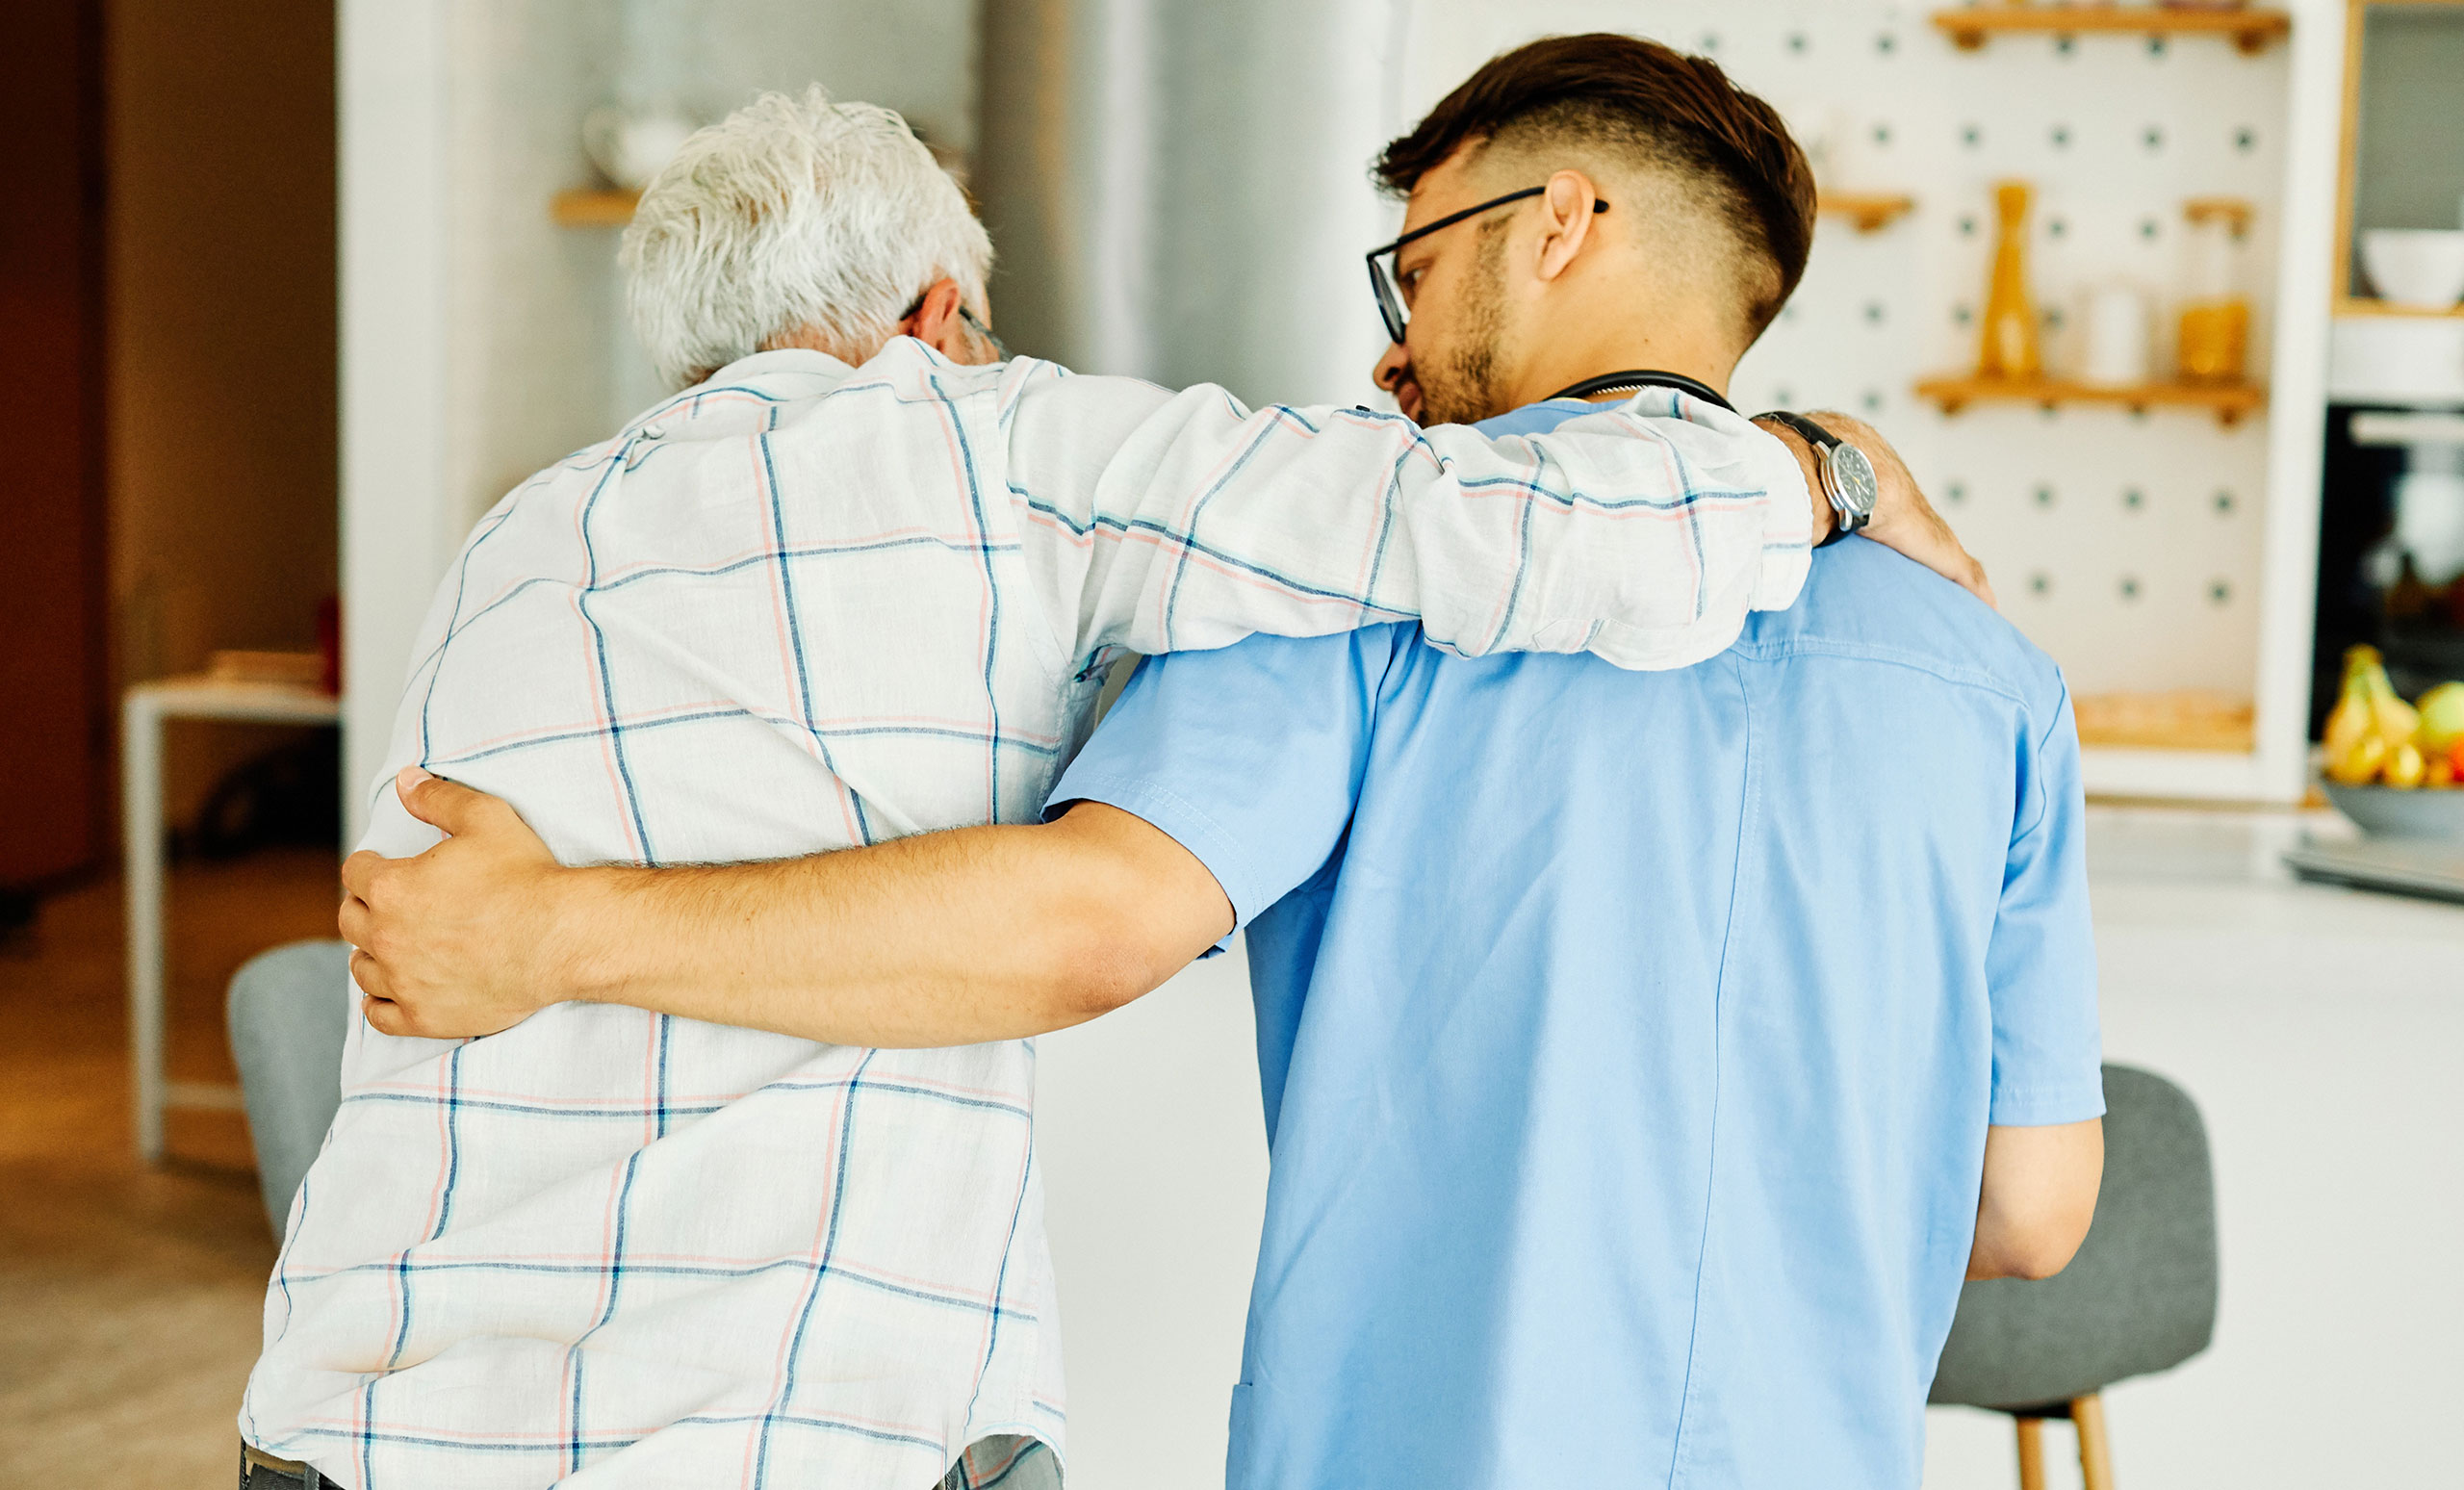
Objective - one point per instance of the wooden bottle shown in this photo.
(2010, 348)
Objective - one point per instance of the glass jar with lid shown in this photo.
(2214, 333)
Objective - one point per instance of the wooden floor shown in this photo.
(131, 1300)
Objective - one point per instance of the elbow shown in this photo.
(2033, 1258)
(1097, 964)
(2033, 1246)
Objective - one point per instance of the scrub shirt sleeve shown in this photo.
(1248, 756)
(2041, 966)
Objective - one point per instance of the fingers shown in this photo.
(462, 811)
(354, 922)
(359, 872)
(447, 804)
(370, 975)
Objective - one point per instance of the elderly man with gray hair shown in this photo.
(861, 578)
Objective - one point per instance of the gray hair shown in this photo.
(788, 214)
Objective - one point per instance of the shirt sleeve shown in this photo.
(1165, 522)
(2040, 964)
(1251, 757)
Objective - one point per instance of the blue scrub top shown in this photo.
(1628, 1039)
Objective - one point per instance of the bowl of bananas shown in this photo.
(2397, 769)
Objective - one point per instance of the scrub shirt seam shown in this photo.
(1719, 998)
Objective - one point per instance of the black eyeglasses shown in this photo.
(979, 327)
(1381, 268)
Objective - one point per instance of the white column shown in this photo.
(2298, 398)
(399, 524)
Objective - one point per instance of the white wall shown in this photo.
(480, 341)
(399, 524)
(1180, 191)
(2206, 578)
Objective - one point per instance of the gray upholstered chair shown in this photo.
(2140, 1297)
(290, 1011)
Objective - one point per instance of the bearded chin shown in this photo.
(1464, 391)
(1466, 387)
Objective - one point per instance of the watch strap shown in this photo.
(1843, 520)
(1819, 438)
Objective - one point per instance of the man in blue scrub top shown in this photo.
(1646, 1056)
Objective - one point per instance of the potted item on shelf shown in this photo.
(2214, 339)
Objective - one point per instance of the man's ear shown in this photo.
(1568, 204)
(938, 324)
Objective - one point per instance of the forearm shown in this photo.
(1644, 539)
(943, 938)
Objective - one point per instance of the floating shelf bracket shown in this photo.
(1869, 211)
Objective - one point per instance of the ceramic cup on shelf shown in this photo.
(631, 148)
(2114, 344)
(2419, 268)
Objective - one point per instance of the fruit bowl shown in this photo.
(2388, 812)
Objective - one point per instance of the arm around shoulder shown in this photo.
(942, 939)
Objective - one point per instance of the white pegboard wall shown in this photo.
(2128, 545)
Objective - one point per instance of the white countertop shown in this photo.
(2192, 870)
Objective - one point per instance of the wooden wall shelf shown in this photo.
(2227, 401)
(1970, 27)
(2184, 719)
(1869, 211)
(594, 207)
(2364, 305)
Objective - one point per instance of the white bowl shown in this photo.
(2418, 267)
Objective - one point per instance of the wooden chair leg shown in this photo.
(2031, 1452)
(2095, 1450)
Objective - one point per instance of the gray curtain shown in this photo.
(1178, 189)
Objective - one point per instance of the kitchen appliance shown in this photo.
(2390, 547)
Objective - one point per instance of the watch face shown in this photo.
(1852, 478)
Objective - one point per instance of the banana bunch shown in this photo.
(2374, 736)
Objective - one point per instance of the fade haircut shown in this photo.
(793, 214)
(1661, 110)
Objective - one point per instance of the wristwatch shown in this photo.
(1847, 475)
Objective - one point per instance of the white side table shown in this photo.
(143, 711)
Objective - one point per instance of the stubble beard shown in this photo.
(1465, 388)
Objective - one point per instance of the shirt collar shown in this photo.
(783, 359)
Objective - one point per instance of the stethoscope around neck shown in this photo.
(1612, 382)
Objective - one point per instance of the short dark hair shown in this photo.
(1641, 97)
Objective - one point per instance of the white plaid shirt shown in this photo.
(801, 607)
